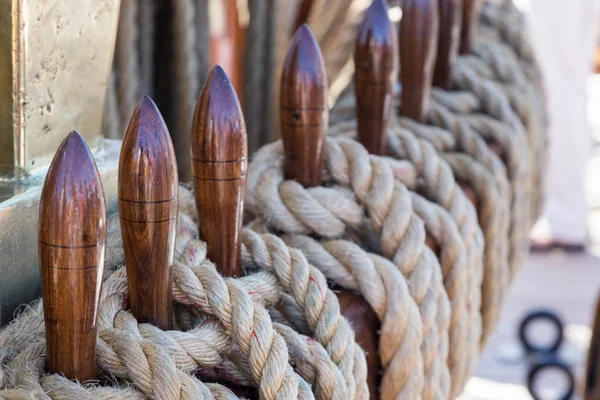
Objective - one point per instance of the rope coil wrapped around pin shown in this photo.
(467, 127)
(354, 196)
(159, 362)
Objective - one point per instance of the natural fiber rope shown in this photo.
(200, 287)
(401, 331)
(386, 291)
(341, 262)
(506, 25)
(498, 64)
(437, 175)
(331, 212)
(493, 217)
(271, 254)
(469, 137)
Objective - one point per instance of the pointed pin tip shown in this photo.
(218, 69)
(304, 60)
(303, 35)
(377, 21)
(74, 135)
(218, 120)
(147, 128)
(147, 102)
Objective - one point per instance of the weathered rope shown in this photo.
(470, 128)
(498, 64)
(439, 181)
(142, 353)
(356, 184)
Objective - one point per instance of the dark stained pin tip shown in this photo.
(71, 246)
(304, 119)
(304, 111)
(148, 202)
(219, 130)
(376, 61)
(220, 160)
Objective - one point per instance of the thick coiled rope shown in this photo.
(498, 64)
(158, 363)
(433, 170)
(356, 184)
(470, 128)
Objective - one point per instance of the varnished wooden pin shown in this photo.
(220, 160)
(148, 201)
(304, 119)
(304, 110)
(72, 244)
(451, 15)
(418, 47)
(376, 62)
(470, 24)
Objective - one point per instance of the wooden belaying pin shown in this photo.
(418, 48)
(376, 63)
(470, 24)
(304, 121)
(220, 160)
(376, 60)
(71, 245)
(304, 110)
(148, 201)
(416, 40)
(451, 16)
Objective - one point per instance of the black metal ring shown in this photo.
(536, 369)
(537, 316)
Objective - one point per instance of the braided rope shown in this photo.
(470, 128)
(294, 276)
(498, 63)
(158, 362)
(331, 211)
(437, 183)
(494, 216)
(387, 293)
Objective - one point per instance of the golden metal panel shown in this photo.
(55, 62)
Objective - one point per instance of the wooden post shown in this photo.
(470, 25)
(220, 160)
(374, 70)
(304, 119)
(148, 201)
(418, 48)
(451, 15)
(376, 63)
(72, 244)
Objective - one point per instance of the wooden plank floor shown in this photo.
(568, 284)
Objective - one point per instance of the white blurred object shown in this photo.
(564, 37)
